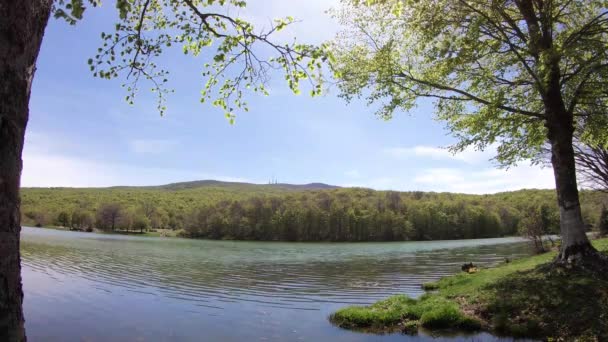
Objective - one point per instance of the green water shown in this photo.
(89, 287)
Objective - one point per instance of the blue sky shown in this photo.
(82, 133)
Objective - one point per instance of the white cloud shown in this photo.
(379, 183)
(41, 170)
(489, 180)
(44, 167)
(473, 176)
(150, 146)
(473, 173)
(45, 171)
(470, 155)
(440, 176)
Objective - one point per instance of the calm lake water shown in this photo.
(91, 287)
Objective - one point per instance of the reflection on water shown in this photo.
(87, 287)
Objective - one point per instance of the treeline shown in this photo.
(347, 214)
(108, 217)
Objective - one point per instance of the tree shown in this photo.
(537, 222)
(603, 222)
(141, 223)
(63, 219)
(592, 164)
(21, 30)
(40, 219)
(143, 30)
(513, 73)
(36, 218)
(109, 215)
(81, 220)
(148, 208)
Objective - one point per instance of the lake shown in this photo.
(94, 287)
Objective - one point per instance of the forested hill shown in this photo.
(311, 212)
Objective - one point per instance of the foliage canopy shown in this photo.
(489, 66)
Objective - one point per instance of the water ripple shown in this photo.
(216, 277)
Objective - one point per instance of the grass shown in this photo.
(401, 313)
(524, 298)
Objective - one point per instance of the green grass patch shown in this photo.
(525, 298)
(403, 313)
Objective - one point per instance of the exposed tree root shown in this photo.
(582, 257)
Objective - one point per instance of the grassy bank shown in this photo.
(523, 298)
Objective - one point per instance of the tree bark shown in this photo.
(575, 244)
(22, 26)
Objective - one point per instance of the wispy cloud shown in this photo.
(485, 180)
(472, 173)
(440, 176)
(56, 170)
(489, 180)
(469, 155)
(43, 166)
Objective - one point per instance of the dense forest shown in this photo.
(314, 212)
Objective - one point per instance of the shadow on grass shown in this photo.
(548, 301)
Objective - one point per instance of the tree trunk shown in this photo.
(575, 244)
(22, 26)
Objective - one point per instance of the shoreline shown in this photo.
(168, 233)
(525, 298)
(157, 233)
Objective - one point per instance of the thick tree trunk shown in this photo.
(575, 244)
(22, 24)
(559, 122)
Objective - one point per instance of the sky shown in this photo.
(82, 133)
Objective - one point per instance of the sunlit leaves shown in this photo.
(123, 7)
(485, 70)
(72, 10)
(240, 58)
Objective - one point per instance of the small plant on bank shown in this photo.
(432, 286)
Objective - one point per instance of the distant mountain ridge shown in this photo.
(210, 183)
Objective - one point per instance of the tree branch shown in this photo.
(471, 96)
